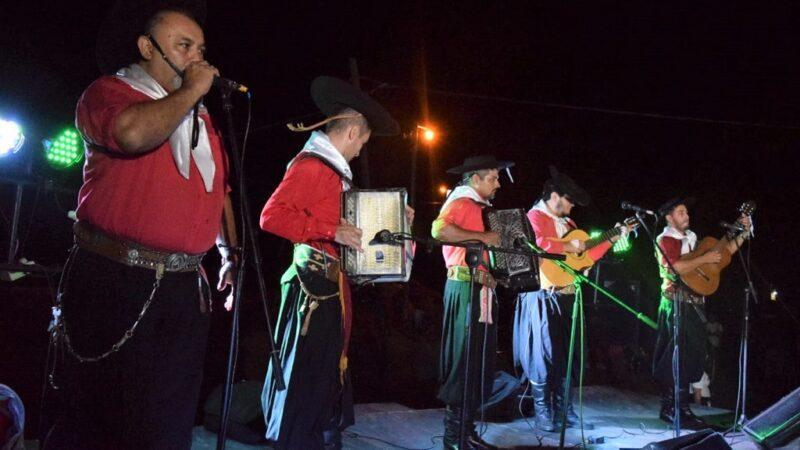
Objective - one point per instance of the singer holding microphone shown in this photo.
(154, 200)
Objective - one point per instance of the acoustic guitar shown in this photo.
(704, 279)
(553, 275)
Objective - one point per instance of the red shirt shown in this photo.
(142, 197)
(467, 215)
(672, 251)
(306, 206)
(544, 227)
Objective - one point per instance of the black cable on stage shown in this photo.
(355, 435)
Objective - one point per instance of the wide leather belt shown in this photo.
(461, 273)
(93, 240)
(315, 261)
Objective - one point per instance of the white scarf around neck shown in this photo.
(562, 223)
(181, 139)
(688, 240)
(320, 145)
(464, 191)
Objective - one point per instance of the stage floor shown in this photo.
(623, 420)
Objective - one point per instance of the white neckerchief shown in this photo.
(688, 240)
(464, 191)
(486, 295)
(562, 223)
(320, 145)
(181, 139)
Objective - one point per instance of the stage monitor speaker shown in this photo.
(778, 425)
(702, 440)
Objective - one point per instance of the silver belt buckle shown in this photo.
(176, 262)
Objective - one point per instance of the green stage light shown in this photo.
(65, 150)
(622, 245)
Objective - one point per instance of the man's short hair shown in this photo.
(549, 188)
(467, 178)
(158, 17)
(338, 125)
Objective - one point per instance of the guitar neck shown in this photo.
(608, 234)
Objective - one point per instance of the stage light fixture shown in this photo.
(11, 137)
(65, 150)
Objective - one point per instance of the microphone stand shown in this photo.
(579, 279)
(252, 239)
(750, 290)
(473, 259)
(676, 328)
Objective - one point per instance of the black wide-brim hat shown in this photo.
(332, 95)
(674, 202)
(125, 22)
(566, 185)
(480, 162)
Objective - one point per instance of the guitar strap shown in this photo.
(700, 313)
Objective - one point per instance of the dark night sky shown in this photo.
(714, 61)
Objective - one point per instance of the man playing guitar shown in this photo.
(542, 318)
(677, 240)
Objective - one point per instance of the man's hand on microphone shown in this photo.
(198, 77)
(349, 235)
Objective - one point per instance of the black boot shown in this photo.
(667, 413)
(688, 419)
(472, 441)
(543, 413)
(452, 419)
(332, 439)
(573, 421)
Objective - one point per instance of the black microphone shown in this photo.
(732, 227)
(382, 237)
(631, 207)
(224, 83)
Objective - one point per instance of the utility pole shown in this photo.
(363, 159)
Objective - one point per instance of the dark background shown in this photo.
(637, 102)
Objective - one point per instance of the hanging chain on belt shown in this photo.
(59, 326)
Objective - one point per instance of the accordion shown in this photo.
(514, 270)
(374, 210)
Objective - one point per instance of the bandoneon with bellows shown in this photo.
(374, 210)
(514, 270)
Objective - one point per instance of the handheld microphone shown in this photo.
(382, 237)
(732, 227)
(224, 83)
(631, 207)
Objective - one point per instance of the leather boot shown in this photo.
(472, 441)
(573, 421)
(452, 419)
(332, 439)
(688, 419)
(543, 412)
(667, 413)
